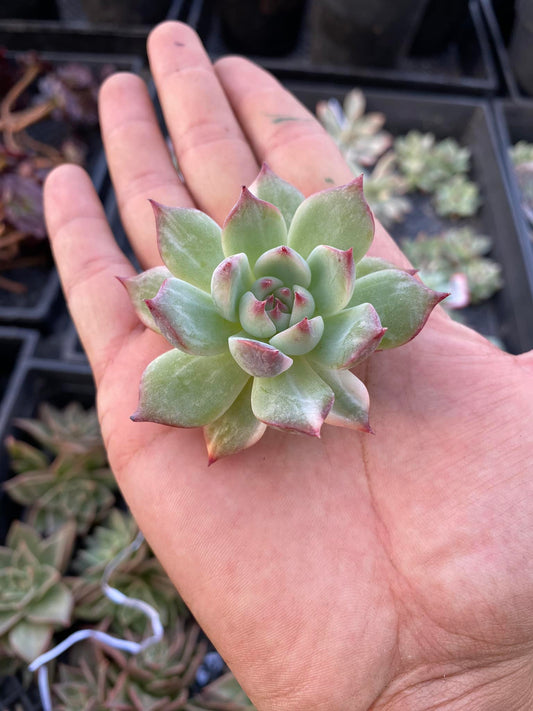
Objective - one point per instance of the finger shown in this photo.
(88, 261)
(212, 151)
(288, 137)
(139, 161)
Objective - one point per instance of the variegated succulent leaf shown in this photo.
(291, 302)
(34, 600)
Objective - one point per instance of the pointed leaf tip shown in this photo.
(253, 226)
(338, 217)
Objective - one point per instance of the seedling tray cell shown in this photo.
(78, 35)
(508, 314)
(515, 123)
(465, 67)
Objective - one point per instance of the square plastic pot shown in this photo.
(465, 67)
(514, 121)
(75, 33)
(508, 315)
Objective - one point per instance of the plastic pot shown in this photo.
(263, 27)
(362, 33)
(465, 67)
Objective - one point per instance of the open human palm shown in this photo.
(389, 571)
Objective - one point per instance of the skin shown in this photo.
(391, 571)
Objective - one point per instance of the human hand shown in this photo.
(350, 573)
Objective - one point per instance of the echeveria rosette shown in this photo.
(268, 315)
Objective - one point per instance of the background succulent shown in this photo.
(267, 316)
(385, 191)
(67, 477)
(360, 136)
(427, 163)
(455, 261)
(140, 576)
(522, 156)
(457, 197)
(34, 600)
(158, 679)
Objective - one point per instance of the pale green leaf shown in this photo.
(236, 429)
(403, 303)
(188, 391)
(189, 243)
(338, 217)
(253, 227)
(298, 400)
(271, 188)
(188, 319)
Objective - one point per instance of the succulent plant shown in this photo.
(524, 177)
(457, 197)
(521, 152)
(266, 321)
(359, 136)
(385, 190)
(426, 163)
(68, 478)
(34, 600)
(140, 576)
(454, 261)
(158, 679)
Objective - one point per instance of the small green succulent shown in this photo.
(521, 152)
(385, 191)
(67, 477)
(34, 600)
(158, 679)
(267, 316)
(457, 197)
(359, 136)
(455, 261)
(426, 163)
(140, 576)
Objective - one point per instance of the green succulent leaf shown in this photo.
(188, 319)
(254, 318)
(231, 279)
(284, 264)
(349, 337)
(300, 338)
(237, 429)
(333, 277)
(53, 608)
(23, 457)
(29, 640)
(188, 391)
(298, 400)
(339, 217)
(258, 358)
(271, 188)
(253, 227)
(189, 243)
(142, 287)
(369, 265)
(303, 305)
(403, 303)
(350, 407)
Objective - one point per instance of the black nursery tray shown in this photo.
(79, 35)
(39, 381)
(465, 67)
(509, 314)
(500, 50)
(515, 123)
(16, 346)
(36, 306)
